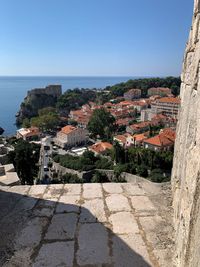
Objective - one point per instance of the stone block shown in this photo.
(123, 223)
(37, 190)
(68, 204)
(55, 254)
(143, 205)
(72, 189)
(129, 250)
(93, 245)
(92, 191)
(92, 211)
(117, 202)
(112, 188)
(133, 189)
(62, 227)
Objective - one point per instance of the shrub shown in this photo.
(99, 177)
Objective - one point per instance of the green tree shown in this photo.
(26, 123)
(102, 124)
(119, 153)
(99, 177)
(25, 158)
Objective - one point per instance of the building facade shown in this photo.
(70, 136)
(166, 105)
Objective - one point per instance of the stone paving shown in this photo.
(85, 225)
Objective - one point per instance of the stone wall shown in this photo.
(186, 168)
(86, 175)
(53, 90)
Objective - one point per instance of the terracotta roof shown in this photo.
(122, 137)
(101, 147)
(159, 140)
(140, 137)
(125, 103)
(124, 121)
(140, 125)
(174, 100)
(165, 138)
(169, 133)
(68, 129)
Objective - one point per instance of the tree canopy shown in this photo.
(102, 124)
(25, 158)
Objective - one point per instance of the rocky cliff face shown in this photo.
(186, 170)
(37, 99)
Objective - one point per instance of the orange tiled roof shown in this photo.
(165, 138)
(174, 100)
(68, 129)
(124, 121)
(169, 133)
(140, 125)
(122, 137)
(159, 140)
(125, 103)
(100, 147)
(140, 137)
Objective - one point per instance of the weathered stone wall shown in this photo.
(186, 170)
(53, 90)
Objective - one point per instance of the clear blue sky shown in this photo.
(93, 37)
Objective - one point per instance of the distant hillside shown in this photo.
(144, 84)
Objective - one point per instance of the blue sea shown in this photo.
(14, 89)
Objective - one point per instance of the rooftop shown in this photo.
(86, 225)
(68, 129)
(101, 147)
(174, 100)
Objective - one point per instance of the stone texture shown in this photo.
(92, 191)
(93, 210)
(117, 202)
(72, 189)
(95, 251)
(142, 205)
(186, 175)
(68, 204)
(123, 223)
(37, 190)
(133, 189)
(127, 251)
(62, 227)
(111, 188)
(56, 254)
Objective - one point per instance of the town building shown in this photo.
(70, 136)
(121, 139)
(163, 141)
(146, 114)
(28, 133)
(132, 94)
(166, 105)
(136, 139)
(138, 127)
(161, 91)
(100, 147)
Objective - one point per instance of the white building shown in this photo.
(146, 114)
(70, 136)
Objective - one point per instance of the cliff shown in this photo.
(1, 131)
(186, 168)
(37, 99)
